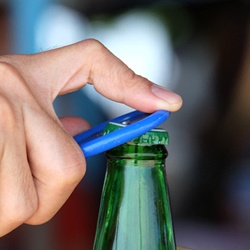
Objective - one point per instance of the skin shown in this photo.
(40, 163)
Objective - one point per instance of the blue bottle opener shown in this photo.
(93, 141)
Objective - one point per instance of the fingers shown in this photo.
(114, 80)
(18, 198)
(74, 125)
(69, 68)
(40, 163)
(57, 164)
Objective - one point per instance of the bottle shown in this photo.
(135, 209)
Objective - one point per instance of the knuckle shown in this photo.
(132, 80)
(23, 213)
(27, 207)
(16, 214)
(92, 45)
(95, 51)
(70, 176)
(131, 83)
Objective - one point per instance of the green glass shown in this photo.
(135, 209)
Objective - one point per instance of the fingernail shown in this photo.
(166, 95)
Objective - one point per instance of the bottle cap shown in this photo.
(93, 142)
(154, 136)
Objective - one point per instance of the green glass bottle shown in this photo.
(135, 209)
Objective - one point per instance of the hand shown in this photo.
(40, 163)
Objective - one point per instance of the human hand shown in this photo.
(40, 163)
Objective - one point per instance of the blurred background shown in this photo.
(199, 49)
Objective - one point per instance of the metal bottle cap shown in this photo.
(154, 136)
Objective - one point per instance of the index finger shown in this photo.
(69, 68)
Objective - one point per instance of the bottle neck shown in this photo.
(137, 153)
(135, 210)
